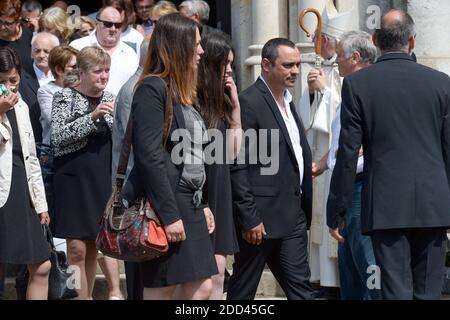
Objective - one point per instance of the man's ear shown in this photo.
(375, 39)
(356, 57)
(266, 64)
(197, 18)
(412, 43)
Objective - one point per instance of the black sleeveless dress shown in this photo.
(220, 202)
(22, 239)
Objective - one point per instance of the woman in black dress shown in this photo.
(81, 141)
(23, 208)
(219, 105)
(171, 182)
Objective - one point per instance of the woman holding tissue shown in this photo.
(81, 139)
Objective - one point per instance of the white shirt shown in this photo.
(124, 62)
(335, 131)
(45, 98)
(133, 38)
(292, 128)
(42, 77)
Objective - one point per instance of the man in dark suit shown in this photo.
(273, 209)
(28, 88)
(399, 111)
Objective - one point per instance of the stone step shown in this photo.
(268, 288)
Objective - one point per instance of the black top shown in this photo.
(23, 48)
(399, 111)
(154, 175)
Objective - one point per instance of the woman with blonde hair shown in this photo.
(173, 186)
(162, 8)
(81, 141)
(56, 21)
(87, 25)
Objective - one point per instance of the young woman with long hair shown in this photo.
(219, 105)
(167, 179)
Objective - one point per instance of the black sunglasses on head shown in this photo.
(109, 24)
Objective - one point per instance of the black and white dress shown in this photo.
(82, 181)
(22, 239)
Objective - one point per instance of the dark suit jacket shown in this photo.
(28, 88)
(154, 175)
(399, 111)
(272, 199)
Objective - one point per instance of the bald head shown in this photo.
(396, 32)
(109, 12)
(41, 45)
(108, 27)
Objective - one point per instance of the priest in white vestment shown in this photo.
(317, 108)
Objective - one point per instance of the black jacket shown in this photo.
(275, 200)
(28, 89)
(399, 111)
(154, 175)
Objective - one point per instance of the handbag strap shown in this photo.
(48, 235)
(126, 146)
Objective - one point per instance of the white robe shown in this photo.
(317, 118)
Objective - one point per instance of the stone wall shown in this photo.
(256, 21)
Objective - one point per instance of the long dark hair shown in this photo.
(171, 54)
(213, 100)
(9, 60)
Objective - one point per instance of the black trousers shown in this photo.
(135, 288)
(287, 258)
(411, 262)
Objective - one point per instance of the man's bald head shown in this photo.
(397, 28)
(108, 27)
(107, 13)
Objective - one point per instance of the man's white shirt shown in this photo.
(292, 128)
(42, 77)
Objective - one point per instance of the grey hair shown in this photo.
(32, 5)
(197, 7)
(359, 41)
(52, 37)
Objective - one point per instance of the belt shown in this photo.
(359, 177)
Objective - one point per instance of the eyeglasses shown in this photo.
(7, 23)
(109, 24)
(142, 8)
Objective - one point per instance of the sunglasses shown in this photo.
(109, 24)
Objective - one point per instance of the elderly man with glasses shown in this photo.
(124, 61)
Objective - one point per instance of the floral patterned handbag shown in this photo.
(134, 233)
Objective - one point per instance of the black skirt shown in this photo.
(186, 261)
(82, 186)
(22, 239)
